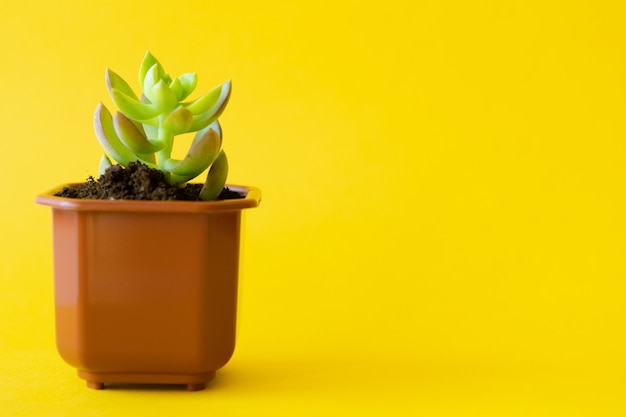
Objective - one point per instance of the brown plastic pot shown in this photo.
(146, 291)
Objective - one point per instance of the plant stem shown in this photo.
(166, 137)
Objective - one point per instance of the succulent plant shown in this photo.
(144, 127)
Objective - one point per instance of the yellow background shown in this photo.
(442, 227)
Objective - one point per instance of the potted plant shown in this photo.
(146, 291)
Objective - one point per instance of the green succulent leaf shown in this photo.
(152, 132)
(188, 82)
(213, 126)
(131, 134)
(105, 163)
(105, 132)
(114, 81)
(178, 121)
(134, 109)
(162, 96)
(153, 76)
(200, 156)
(148, 159)
(179, 179)
(177, 88)
(148, 62)
(209, 107)
(216, 178)
(211, 101)
(202, 121)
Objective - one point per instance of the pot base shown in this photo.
(194, 382)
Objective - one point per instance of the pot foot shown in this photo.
(193, 382)
(196, 387)
(95, 385)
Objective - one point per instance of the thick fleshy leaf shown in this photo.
(213, 126)
(216, 178)
(179, 179)
(178, 121)
(200, 156)
(188, 82)
(148, 159)
(131, 134)
(105, 132)
(177, 88)
(152, 132)
(148, 61)
(115, 81)
(132, 108)
(209, 107)
(163, 97)
(105, 163)
(153, 76)
(211, 100)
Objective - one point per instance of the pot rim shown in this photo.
(252, 199)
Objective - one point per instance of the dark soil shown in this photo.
(137, 182)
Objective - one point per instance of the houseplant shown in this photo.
(146, 291)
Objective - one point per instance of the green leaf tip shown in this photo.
(148, 62)
(188, 82)
(114, 81)
(105, 163)
(216, 178)
(105, 132)
(210, 106)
